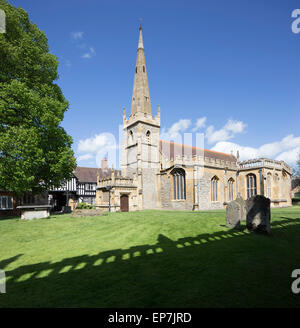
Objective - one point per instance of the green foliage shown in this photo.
(82, 206)
(35, 151)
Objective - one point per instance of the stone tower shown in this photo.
(140, 152)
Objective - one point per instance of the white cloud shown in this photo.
(97, 147)
(289, 156)
(84, 157)
(96, 143)
(286, 149)
(228, 147)
(227, 132)
(76, 35)
(174, 131)
(235, 126)
(199, 124)
(89, 54)
(213, 135)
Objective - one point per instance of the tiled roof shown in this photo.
(171, 149)
(89, 174)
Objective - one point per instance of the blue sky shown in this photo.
(232, 66)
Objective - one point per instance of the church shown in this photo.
(159, 174)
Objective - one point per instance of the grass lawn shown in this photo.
(149, 259)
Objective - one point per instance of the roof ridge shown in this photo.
(213, 151)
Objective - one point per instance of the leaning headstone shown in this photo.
(258, 214)
(242, 203)
(233, 214)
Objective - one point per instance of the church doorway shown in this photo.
(124, 203)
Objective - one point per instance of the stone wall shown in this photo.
(149, 188)
(191, 201)
(167, 192)
(280, 185)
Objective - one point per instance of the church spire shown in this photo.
(141, 45)
(140, 96)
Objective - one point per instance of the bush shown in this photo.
(82, 206)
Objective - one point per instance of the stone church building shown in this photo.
(158, 174)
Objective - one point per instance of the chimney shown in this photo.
(104, 164)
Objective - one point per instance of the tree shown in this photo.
(35, 151)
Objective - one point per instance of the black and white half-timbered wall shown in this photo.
(80, 189)
(64, 196)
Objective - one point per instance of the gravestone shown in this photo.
(233, 214)
(242, 203)
(258, 214)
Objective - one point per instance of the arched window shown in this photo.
(251, 185)
(230, 189)
(269, 186)
(148, 135)
(179, 183)
(214, 189)
(144, 69)
(276, 186)
(136, 70)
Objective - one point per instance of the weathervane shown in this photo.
(141, 19)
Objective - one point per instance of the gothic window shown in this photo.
(136, 69)
(230, 189)
(269, 189)
(179, 184)
(144, 69)
(214, 189)
(148, 135)
(276, 189)
(251, 185)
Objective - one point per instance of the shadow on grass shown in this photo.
(4, 263)
(224, 269)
